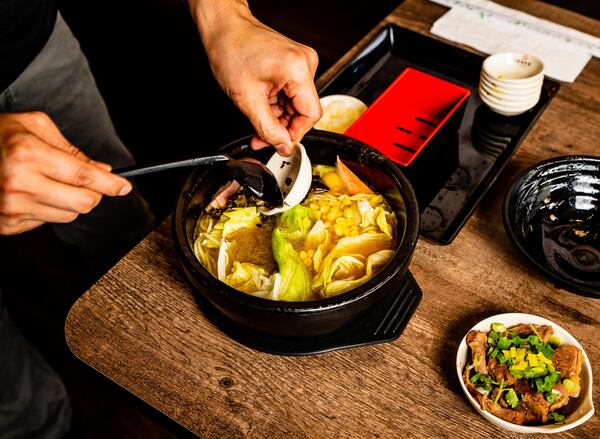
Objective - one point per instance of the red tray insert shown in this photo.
(408, 114)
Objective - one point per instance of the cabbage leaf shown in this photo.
(374, 261)
(362, 245)
(295, 280)
(239, 218)
(293, 224)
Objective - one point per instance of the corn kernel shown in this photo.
(306, 223)
(340, 220)
(353, 232)
(310, 253)
(346, 201)
(346, 230)
(331, 216)
(303, 254)
(338, 229)
(313, 206)
(324, 208)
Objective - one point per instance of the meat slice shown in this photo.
(545, 332)
(223, 194)
(477, 342)
(516, 416)
(522, 387)
(536, 406)
(567, 360)
(562, 396)
(523, 330)
(501, 372)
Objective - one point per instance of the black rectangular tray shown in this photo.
(486, 140)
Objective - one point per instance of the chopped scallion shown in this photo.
(475, 377)
(569, 384)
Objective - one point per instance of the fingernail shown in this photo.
(125, 190)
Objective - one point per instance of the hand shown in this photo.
(43, 178)
(268, 76)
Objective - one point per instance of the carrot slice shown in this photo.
(352, 183)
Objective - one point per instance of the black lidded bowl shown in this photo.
(300, 319)
(552, 215)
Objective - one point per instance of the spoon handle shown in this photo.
(132, 171)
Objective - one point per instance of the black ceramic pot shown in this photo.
(300, 319)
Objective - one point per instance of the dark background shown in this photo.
(151, 69)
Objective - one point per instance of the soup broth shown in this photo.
(335, 240)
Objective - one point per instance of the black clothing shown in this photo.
(25, 26)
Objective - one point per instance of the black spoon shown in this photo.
(253, 175)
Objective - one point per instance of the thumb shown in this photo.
(267, 126)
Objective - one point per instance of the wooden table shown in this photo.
(141, 328)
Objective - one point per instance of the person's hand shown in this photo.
(43, 178)
(268, 76)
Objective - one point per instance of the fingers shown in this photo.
(22, 212)
(258, 143)
(26, 207)
(13, 226)
(40, 124)
(62, 167)
(307, 108)
(65, 197)
(258, 109)
(43, 178)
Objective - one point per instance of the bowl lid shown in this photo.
(552, 215)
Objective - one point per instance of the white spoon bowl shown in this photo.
(294, 176)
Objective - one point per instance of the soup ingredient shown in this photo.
(519, 375)
(331, 243)
(295, 280)
(352, 184)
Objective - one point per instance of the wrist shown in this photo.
(216, 17)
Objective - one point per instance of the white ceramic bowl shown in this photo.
(294, 176)
(509, 102)
(511, 88)
(508, 110)
(339, 112)
(584, 406)
(512, 67)
(502, 94)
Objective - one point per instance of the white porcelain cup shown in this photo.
(506, 110)
(511, 83)
(508, 100)
(505, 91)
(512, 67)
(512, 86)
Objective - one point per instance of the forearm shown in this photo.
(215, 16)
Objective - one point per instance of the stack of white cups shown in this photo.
(511, 83)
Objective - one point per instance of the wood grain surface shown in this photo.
(141, 327)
